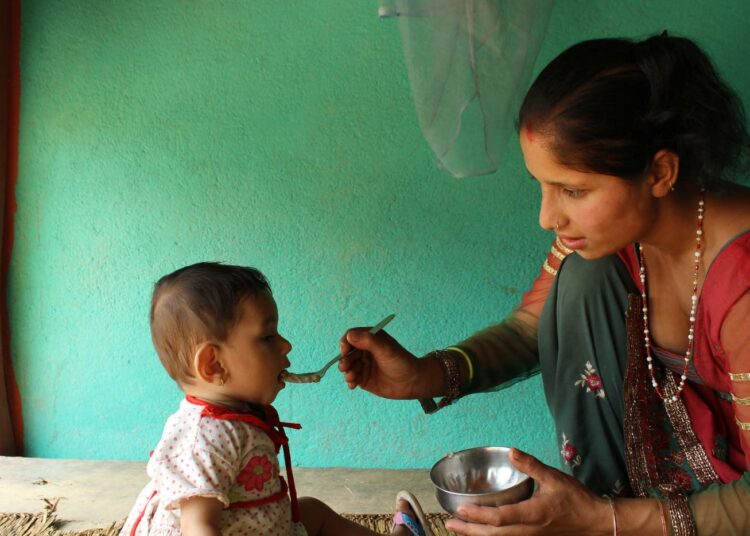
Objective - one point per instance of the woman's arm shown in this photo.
(200, 516)
(490, 358)
(725, 509)
(500, 355)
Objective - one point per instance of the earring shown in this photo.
(221, 381)
(557, 225)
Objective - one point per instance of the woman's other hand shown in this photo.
(561, 505)
(384, 368)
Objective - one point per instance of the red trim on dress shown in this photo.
(712, 417)
(266, 500)
(140, 516)
(273, 427)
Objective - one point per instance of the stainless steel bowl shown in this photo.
(483, 476)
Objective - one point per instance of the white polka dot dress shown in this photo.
(230, 460)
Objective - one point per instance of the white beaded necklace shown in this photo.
(693, 308)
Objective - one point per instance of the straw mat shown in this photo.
(45, 523)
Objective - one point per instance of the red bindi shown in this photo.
(529, 132)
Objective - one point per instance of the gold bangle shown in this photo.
(739, 376)
(467, 358)
(452, 377)
(744, 426)
(741, 401)
(663, 516)
(611, 502)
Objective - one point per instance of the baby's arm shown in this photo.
(200, 516)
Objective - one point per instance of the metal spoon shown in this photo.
(314, 377)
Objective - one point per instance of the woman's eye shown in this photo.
(571, 192)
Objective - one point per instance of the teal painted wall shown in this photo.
(279, 134)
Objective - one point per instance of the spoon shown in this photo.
(314, 377)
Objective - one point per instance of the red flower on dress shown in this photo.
(591, 381)
(570, 453)
(256, 473)
(594, 382)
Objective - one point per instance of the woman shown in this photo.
(638, 322)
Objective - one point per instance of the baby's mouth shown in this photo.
(282, 376)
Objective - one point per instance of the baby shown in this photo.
(215, 470)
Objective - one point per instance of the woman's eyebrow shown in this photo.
(551, 183)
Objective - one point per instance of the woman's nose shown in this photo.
(548, 214)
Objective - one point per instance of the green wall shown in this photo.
(279, 134)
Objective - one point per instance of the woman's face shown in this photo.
(593, 214)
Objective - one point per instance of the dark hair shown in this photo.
(195, 304)
(608, 105)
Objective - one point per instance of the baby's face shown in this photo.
(255, 354)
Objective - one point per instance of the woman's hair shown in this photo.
(195, 304)
(608, 105)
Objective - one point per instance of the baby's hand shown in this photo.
(201, 516)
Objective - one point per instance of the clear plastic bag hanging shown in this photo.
(469, 65)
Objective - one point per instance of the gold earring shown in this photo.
(221, 381)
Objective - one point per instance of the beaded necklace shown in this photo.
(693, 308)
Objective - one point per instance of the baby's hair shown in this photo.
(608, 105)
(195, 304)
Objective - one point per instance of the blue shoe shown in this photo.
(418, 526)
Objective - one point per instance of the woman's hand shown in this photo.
(561, 505)
(384, 368)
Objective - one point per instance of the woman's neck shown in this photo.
(672, 234)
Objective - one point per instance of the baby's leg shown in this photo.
(320, 520)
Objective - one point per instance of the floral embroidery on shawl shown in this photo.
(570, 453)
(591, 381)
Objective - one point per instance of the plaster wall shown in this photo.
(278, 134)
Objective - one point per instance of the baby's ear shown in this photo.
(207, 366)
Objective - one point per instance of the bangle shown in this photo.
(663, 516)
(469, 364)
(451, 375)
(611, 502)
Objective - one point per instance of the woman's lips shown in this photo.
(573, 243)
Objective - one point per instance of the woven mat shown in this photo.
(45, 523)
(381, 523)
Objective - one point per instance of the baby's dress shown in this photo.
(210, 451)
